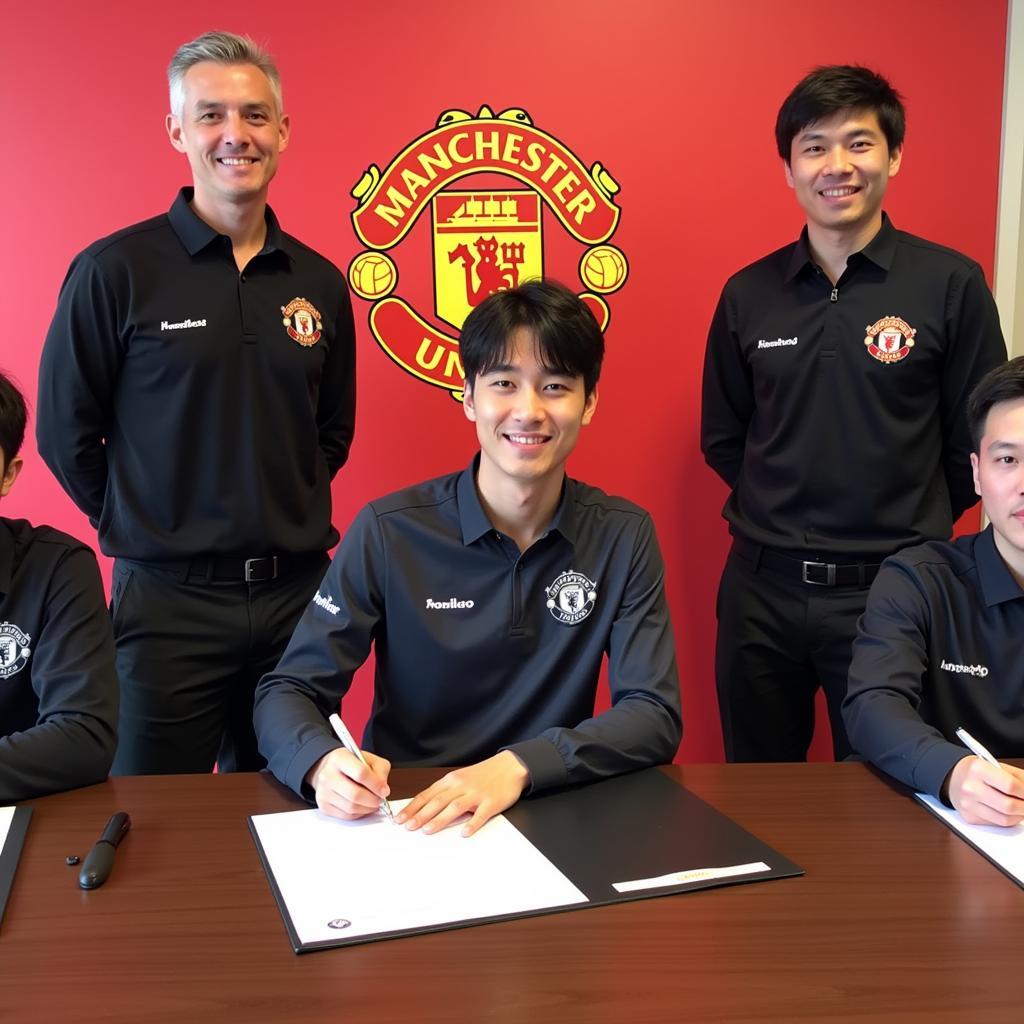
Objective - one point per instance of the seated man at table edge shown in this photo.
(490, 597)
(941, 642)
(58, 687)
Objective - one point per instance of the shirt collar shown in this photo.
(6, 558)
(195, 234)
(881, 250)
(474, 522)
(997, 582)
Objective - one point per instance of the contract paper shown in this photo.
(6, 817)
(1003, 846)
(340, 880)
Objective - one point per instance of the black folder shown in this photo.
(10, 852)
(638, 826)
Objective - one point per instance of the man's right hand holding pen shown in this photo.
(347, 788)
(983, 790)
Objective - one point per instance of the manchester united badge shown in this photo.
(302, 321)
(890, 339)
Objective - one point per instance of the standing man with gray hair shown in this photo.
(196, 396)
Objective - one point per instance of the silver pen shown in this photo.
(341, 731)
(975, 747)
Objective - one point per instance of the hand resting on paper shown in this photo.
(987, 794)
(484, 790)
(345, 788)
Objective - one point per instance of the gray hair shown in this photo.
(221, 48)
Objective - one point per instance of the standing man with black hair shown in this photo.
(196, 396)
(490, 598)
(835, 379)
(58, 687)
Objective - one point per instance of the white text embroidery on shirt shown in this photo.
(451, 602)
(965, 670)
(777, 343)
(181, 325)
(326, 603)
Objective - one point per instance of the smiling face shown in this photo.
(999, 479)
(528, 417)
(839, 168)
(231, 130)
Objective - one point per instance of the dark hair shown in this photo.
(568, 337)
(13, 417)
(827, 90)
(1003, 384)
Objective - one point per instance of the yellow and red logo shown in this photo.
(890, 339)
(302, 321)
(484, 240)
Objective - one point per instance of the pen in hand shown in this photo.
(976, 748)
(341, 731)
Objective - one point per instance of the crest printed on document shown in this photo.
(14, 649)
(302, 321)
(890, 339)
(571, 597)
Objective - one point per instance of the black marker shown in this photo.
(96, 869)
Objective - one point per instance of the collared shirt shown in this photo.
(58, 687)
(836, 415)
(940, 645)
(480, 647)
(190, 409)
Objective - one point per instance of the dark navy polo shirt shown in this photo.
(940, 645)
(480, 648)
(189, 409)
(836, 415)
(58, 687)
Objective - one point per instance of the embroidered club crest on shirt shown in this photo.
(571, 597)
(302, 321)
(14, 649)
(890, 339)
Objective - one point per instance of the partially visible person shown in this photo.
(196, 397)
(58, 688)
(490, 597)
(836, 373)
(941, 643)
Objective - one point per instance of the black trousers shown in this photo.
(190, 652)
(779, 639)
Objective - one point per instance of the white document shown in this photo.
(6, 817)
(343, 879)
(691, 875)
(1005, 846)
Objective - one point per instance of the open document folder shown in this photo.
(1004, 847)
(338, 883)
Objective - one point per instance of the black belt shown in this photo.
(816, 574)
(239, 569)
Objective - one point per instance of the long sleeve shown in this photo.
(643, 726)
(336, 407)
(333, 638)
(975, 346)
(73, 675)
(78, 375)
(727, 398)
(886, 684)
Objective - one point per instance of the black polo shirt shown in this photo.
(836, 415)
(58, 688)
(940, 645)
(180, 410)
(479, 647)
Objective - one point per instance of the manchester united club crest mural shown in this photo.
(483, 240)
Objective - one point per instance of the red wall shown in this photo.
(676, 98)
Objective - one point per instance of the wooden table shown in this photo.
(896, 919)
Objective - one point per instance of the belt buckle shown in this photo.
(830, 574)
(253, 566)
